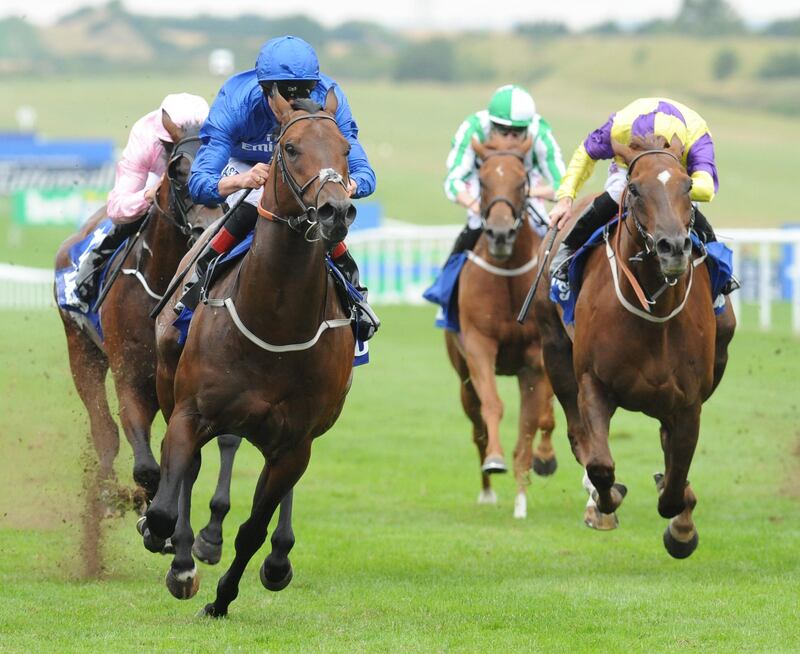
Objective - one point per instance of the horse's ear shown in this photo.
(331, 102)
(480, 149)
(280, 107)
(676, 146)
(172, 129)
(625, 152)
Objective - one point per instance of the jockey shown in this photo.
(512, 114)
(658, 116)
(237, 147)
(143, 163)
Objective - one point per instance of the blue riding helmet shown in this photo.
(285, 58)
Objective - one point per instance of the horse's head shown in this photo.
(504, 189)
(310, 170)
(657, 198)
(191, 219)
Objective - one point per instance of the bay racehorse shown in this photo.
(128, 346)
(645, 339)
(492, 285)
(272, 362)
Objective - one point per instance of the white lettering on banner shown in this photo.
(258, 147)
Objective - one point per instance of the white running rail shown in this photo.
(399, 262)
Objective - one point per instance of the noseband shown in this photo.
(179, 199)
(325, 176)
(626, 205)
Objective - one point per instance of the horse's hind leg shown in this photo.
(182, 579)
(89, 368)
(544, 456)
(276, 572)
(208, 544)
(273, 485)
(726, 326)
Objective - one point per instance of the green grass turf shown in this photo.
(392, 552)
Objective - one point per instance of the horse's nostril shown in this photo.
(325, 212)
(663, 246)
(687, 244)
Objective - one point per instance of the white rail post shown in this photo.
(795, 277)
(736, 297)
(765, 301)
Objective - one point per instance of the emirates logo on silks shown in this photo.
(269, 146)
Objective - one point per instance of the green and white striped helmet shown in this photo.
(513, 106)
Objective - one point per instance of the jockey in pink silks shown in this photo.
(139, 171)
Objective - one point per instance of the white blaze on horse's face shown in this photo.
(499, 171)
(664, 177)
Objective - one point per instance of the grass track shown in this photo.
(392, 552)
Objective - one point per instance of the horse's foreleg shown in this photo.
(596, 408)
(208, 544)
(182, 580)
(273, 485)
(544, 456)
(276, 572)
(678, 439)
(529, 380)
(481, 358)
(472, 407)
(177, 451)
(138, 406)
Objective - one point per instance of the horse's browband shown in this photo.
(646, 152)
(297, 119)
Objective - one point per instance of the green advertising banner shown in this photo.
(71, 207)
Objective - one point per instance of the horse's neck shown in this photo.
(648, 274)
(166, 245)
(283, 275)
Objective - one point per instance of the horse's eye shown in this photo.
(689, 185)
(290, 149)
(633, 190)
(347, 152)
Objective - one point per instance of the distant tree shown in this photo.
(708, 18)
(608, 28)
(542, 30)
(359, 31)
(427, 60)
(781, 64)
(19, 39)
(726, 63)
(656, 26)
(788, 27)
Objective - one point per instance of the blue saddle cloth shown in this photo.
(361, 355)
(565, 294)
(444, 292)
(66, 277)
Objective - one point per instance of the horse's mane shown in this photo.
(649, 142)
(306, 104)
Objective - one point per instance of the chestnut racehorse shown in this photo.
(492, 285)
(645, 339)
(273, 361)
(128, 347)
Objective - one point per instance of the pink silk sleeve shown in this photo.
(126, 200)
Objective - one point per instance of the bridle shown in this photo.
(325, 176)
(517, 212)
(180, 203)
(626, 206)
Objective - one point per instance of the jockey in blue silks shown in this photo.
(238, 139)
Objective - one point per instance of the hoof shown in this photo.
(147, 478)
(520, 506)
(211, 611)
(494, 464)
(183, 585)
(680, 549)
(600, 521)
(544, 467)
(160, 523)
(275, 578)
(141, 523)
(152, 543)
(168, 548)
(487, 496)
(205, 551)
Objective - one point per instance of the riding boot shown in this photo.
(91, 263)
(367, 322)
(466, 240)
(238, 225)
(705, 232)
(598, 213)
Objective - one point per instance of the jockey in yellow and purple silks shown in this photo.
(658, 116)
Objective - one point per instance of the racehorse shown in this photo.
(664, 359)
(128, 346)
(272, 362)
(493, 283)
